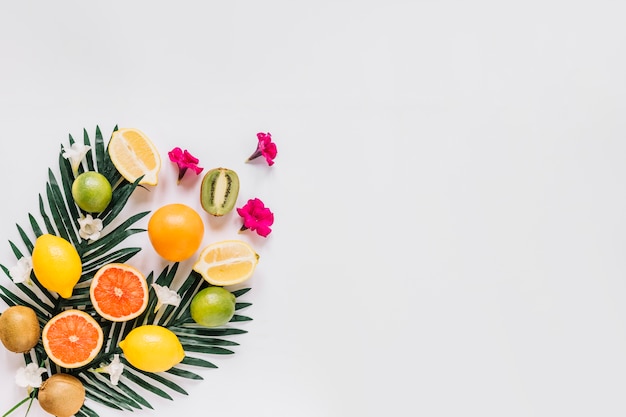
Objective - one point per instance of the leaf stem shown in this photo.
(30, 397)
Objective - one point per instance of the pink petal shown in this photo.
(175, 154)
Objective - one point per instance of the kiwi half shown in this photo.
(219, 191)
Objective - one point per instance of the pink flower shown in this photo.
(256, 217)
(265, 147)
(184, 160)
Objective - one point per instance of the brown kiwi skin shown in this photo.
(207, 191)
(61, 395)
(19, 329)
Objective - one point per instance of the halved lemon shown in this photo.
(134, 155)
(227, 262)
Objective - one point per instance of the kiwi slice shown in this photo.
(219, 191)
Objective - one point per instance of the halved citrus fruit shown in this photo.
(134, 155)
(119, 292)
(227, 262)
(72, 338)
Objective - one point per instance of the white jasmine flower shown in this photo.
(21, 271)
(114, 369)
(75, 153)
(29, 376)
(165, 296)
(89, 227)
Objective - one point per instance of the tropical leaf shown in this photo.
(58, 215)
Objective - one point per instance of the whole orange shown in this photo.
(175, 231)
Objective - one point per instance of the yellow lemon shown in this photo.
(56, 264)
(134, 155)
(152, 348)
(227, 262)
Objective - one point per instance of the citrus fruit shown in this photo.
(19, 329)
(227, 262)
(119, 292)
(133, 154)
(61, 395)
(175, 231)
(72, 338)
(152, 348)
(212, 306)
(92, 191)
(56, 264)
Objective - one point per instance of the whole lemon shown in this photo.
(152, 348)
(92, 191)
(175, 231)
(56, 264)
(212, 306)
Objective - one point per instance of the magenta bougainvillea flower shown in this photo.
(256, 217)
(185, 161)
(265, 147)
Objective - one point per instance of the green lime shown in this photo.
(212, 307)
(92, 191)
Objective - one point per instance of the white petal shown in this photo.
(89, 227)
(29, 376)
(21, 271)
(75, 154)
(166, 296)
(114, 369)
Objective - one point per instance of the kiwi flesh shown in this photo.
(61, 395)
(219, 191)
(19, 329)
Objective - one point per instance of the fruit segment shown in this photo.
(72, 338)
(219, 191)
(134, 155)
(227, 262)
(119, 292)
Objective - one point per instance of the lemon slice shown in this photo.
(134, 155)
(227, 262)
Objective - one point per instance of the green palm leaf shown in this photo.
(58, 215)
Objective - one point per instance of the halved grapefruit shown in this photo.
(119, 292)
(72, 338)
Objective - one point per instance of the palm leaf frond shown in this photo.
(58, 214)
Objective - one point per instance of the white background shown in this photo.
(449, 188)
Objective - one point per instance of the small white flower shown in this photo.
(21, 271)
(114, 369)
(165, 296)
(29, 376)
(75, 153)
(90, 228)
